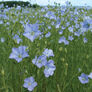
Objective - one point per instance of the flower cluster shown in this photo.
(59, 21)
(42, 61)
(63, 40)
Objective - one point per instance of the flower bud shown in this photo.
(2, 72)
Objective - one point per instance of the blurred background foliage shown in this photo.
(18, 3)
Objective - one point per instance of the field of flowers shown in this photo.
(46, 49)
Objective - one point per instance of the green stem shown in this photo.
(59, 90)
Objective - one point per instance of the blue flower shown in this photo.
(1, 5)
(67, 24)
(77, 25)
(19, 53)
(40, 61)
(48, 35)
(70, 29)
(48, 52)
(30, 83)
(31, 31)
(86, 24)
(52, 23)
(90, 75)
(63, 39)
(18, 8)
(49, 27)
(49, 68)
(66, 42)
(77, 33)
(17, 39)
(1, 22)
(70, 38)
(83, 78)
(60, 31)
(79, 69)
(85, 40)
(58, 23)
(42, 10)
(50, 15)
(2, 40)
(68, 3)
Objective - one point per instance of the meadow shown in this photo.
(46, 49)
